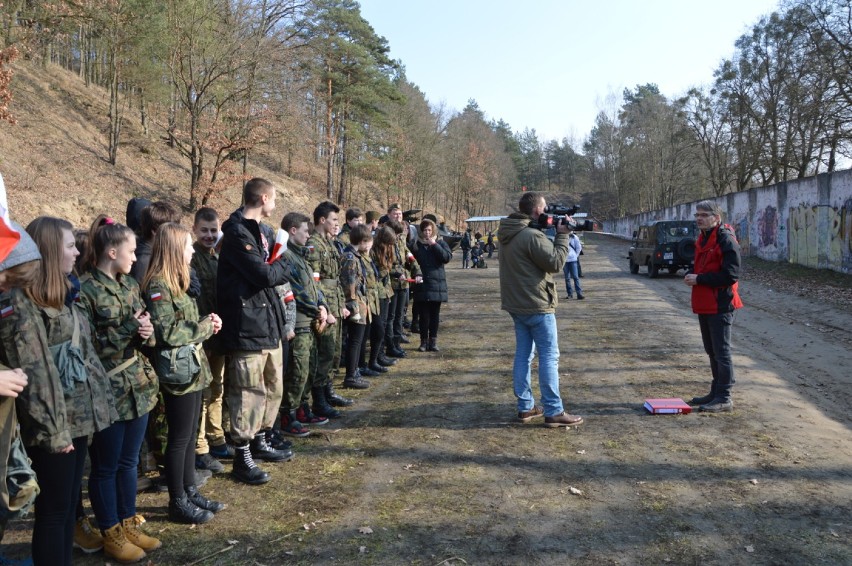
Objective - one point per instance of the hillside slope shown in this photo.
(54, 160)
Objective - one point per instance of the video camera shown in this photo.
(557, 214)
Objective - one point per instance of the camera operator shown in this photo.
(528, 293)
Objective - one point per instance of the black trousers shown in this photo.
(377, 330)
(354, 340)
(393, 324)
(59, 478)
(430, 315)
(182, 414)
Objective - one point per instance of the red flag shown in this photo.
(280, 245)
(9, 237)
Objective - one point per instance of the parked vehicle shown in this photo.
(664, 244)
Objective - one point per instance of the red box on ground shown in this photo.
(667, 406)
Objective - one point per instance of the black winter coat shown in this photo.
(432, 260)
(252, 315)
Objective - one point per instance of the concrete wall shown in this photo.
(808, 221)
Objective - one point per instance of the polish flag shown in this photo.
(280, 245)
(9, 237)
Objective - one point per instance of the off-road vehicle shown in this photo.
(664, 244)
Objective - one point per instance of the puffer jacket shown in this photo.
(432, 259)
(717, 264)
(527, 260)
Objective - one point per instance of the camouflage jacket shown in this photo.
(50, 418)
(343, 236)
(384, 288)
(324, 256)
(403, 264)
(109, 305)
(353, 278)
(373, 286)
(309, 296)
(176, 323)
(285, 291)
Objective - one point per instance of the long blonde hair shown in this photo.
(167, 260)
(51, 285)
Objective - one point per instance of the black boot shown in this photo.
(705, 399)
(355, 381)
(275, 439)
(378, 368)
(261, 450)
(245, 470)
(182, 510)
(367, 371)
(334, 399)
(385, 361)
(423, 346)
(433, 345)
(321, 406)
(202, 502)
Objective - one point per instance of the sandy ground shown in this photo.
(429, 466)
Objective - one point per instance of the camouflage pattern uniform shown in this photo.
(405, 265)
(309, 299)
(176, 323)
(51, 418)
(343, 236)
(110, 306)
(206, 263)
(353, 279)
(324, 256)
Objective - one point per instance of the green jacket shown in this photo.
(51, 418)
(176, 323)
(527, 260)
(353, 278)
(324, 258)
(373, 285)
(308, 295)
(109, 305)
(206, 264)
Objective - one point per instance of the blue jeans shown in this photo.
(571, 272)
(537, 330)
(112, 482)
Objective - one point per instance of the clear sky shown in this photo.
(550, 64)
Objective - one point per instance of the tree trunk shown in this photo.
(341, 193)
(143, 113)
(114, 112)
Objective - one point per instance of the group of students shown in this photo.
(242, 316)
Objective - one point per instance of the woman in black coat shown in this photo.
(432, 254)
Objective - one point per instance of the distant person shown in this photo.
(715, 297)
(466, 245)
(575, 247)
(432, 253)
(528, 294)
(489, 244)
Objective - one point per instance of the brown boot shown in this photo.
(135, 535)
(117, 546)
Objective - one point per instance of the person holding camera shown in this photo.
(528, 293)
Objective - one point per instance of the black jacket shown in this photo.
(432, 260)
(252, 315)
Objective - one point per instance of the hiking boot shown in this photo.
(433, 345)
(291, 426)
(717, 405)
(117, 547)
(202, 502)
(424, 345)
(378, 368)
(182, 510)
(86, 537)
(562, 419)
(334, 399)
(208, 462)
(702, 400)
(245, 470)
(355, 382)
(222, 451)
(278, 442)
(260, 450)
(321, 406)
(385, 361)
(307, 417)
(135, 535)
(534, 413)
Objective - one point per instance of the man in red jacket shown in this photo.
(714, 300)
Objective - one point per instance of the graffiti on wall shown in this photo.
(803, 234)
(767, 227)
(742, 234)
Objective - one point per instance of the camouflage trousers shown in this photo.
(210, 431)
(327, 359)
(254, 384)
(297, 383)
(18, 485)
